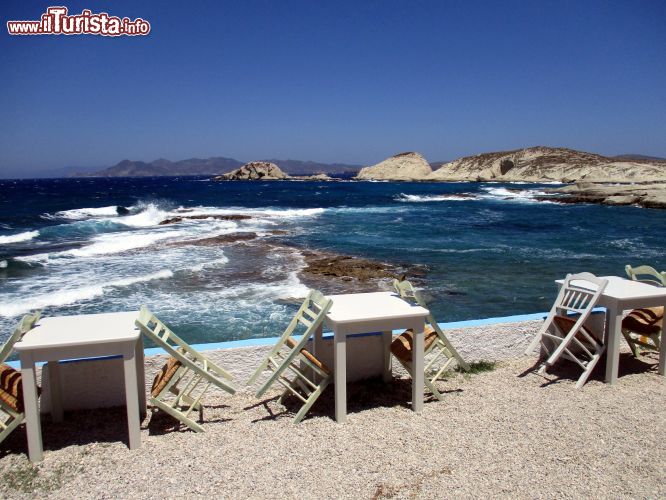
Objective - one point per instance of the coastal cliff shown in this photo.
(536, 164)
(408, 166)
(546, 164)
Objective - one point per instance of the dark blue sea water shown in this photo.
(493, 252)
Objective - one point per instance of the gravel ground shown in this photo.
(497, 434)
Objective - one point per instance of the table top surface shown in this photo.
(361, 307)
(77, 330)
(623, 288)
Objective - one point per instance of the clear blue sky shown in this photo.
(345, 81)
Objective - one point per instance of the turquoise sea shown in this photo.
(489, 249)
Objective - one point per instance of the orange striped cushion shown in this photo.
(645, 321)
(164, 375)
(11, 388)
(403, 344)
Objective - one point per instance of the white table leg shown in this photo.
(662, 350)
(340, 375)
(418, 377)
(140, 377)
(56, 391)
(32, 423)
(387, 338)
(614, 323)
(132, 400)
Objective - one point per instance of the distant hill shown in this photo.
(634, 157)
(162, 167)
(210, 166)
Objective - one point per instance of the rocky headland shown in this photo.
(626, 180)
(546, 164)
(536, 164)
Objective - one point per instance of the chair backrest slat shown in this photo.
(178, 348)
(646, 274)
(24, 326)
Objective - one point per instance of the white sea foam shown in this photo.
(523, 196)
(416, 198)
(66, 296)
(119, 242)
(288, 213)
(85, 213)
(151, 215)
(17, 238)
(4, 264)
(211, 263)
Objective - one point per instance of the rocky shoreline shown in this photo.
(646, 195)
(335, 272)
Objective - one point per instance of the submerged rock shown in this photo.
(175, 220)
(216, 240)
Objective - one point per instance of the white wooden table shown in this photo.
(619, 295)
(85, 336)
(373, 312)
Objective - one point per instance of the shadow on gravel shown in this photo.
(161, 423)
(567, 371)
(361, 396)
(105, 425)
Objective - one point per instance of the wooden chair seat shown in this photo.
(402, 345)
(164, 376)
(322, 366)
(646, 321)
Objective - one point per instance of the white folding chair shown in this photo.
(11, 383)
(439, 352)
(179, 387)
(564, 334)
(642, 327)
(290, 364)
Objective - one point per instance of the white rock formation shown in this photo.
(401, 167)
(539, 164)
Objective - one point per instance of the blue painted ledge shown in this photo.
(156, 351)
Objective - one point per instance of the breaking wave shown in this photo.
(17, 238)
(425, 198)
(67, 297)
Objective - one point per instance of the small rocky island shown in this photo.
(266, 171)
